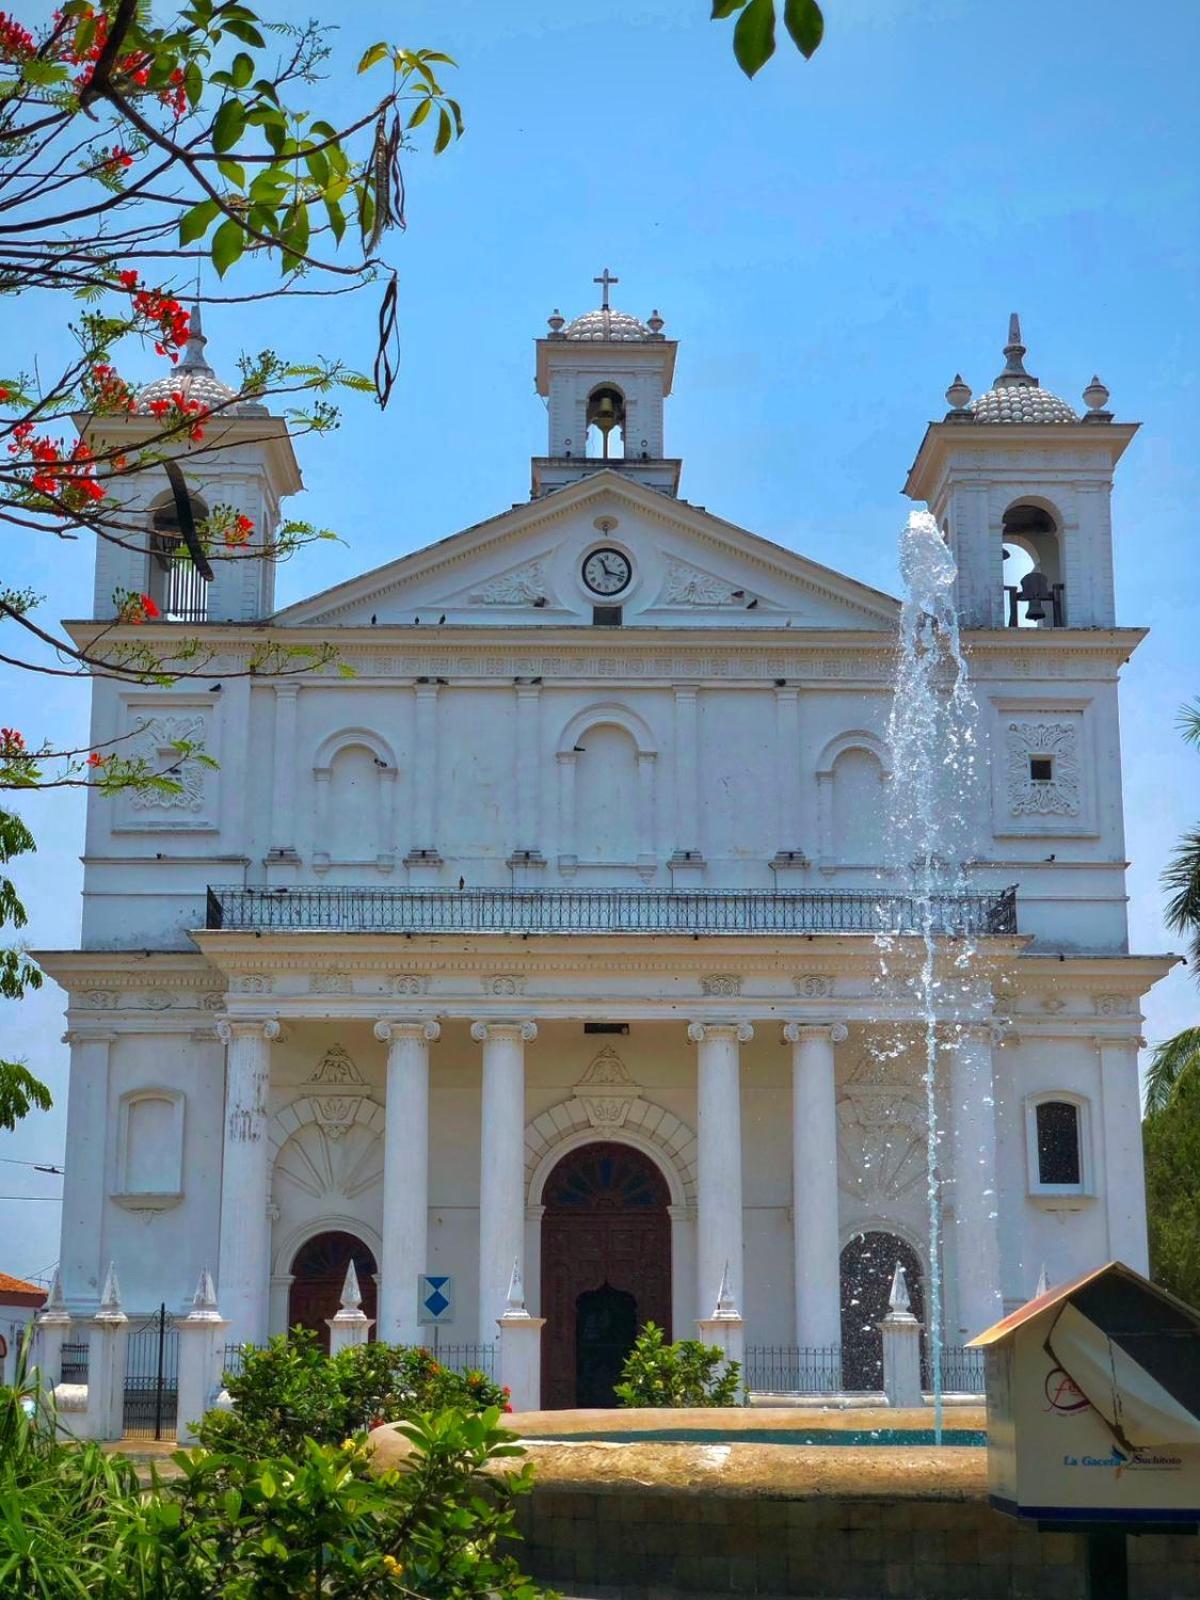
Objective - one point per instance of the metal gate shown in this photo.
(152, 1379)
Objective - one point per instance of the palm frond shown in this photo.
(1182, 876)
(1188, 722)
(1169, 1062)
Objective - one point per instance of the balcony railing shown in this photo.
(682, 911)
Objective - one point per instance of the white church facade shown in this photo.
(549, 937)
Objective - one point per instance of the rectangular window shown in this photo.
(606, 616)
(1041, 769)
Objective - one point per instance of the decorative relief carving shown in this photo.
(810, 986)
(1115, 1005)
(330, 983)
(159, 1000)
(503, 983)
(252, 983)
(606, 1091)
(100, 999)
(725, 985)
(521, 586)
(689, 586)
(336, 1111)
(214, 1000)
(881, 1134)
(409, 983)
(325, 1160)
(152, 742)
(1058, 794)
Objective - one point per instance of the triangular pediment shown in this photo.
(676, 565)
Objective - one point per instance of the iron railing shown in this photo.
(684, 911)
(235, 1360)
(464, 1358)
(74, 1367)
(793, 1369)
(962, 1370)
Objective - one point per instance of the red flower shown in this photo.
(129, 278)
(12, 743)
(148, 606)
(95, 759)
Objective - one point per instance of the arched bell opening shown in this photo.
(1033, 579)
(606, 423)
(318, 1272)
(175, 584)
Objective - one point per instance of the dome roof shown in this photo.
(192, 376)
(1015, 396)
(1021, 403)
(606, 323)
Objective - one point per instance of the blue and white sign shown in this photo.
(435, 1299)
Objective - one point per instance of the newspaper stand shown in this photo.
(1093, 1400)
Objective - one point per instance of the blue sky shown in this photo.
(830, 244)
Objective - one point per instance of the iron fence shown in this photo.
(235, 1360)
(793, 1369)
(152, 1379)
(74, 1367)
(464, 1358)
(962, 1370)
(684, 911)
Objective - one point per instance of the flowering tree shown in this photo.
(131, 152)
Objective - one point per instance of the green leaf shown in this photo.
(445, 131)
(233, 172)
(229, 126)
(245, 32)
(193, 83)
(725, 8)
(377, 52)
(39, 72)
(194, 224)
(337, 219)
(754, 36)
(803, 20)
(420, 112)
(228, 243)
(242, 69)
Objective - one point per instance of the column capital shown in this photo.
(525, 1032)
(89, 1036)
(738, 1032)
(389, 1029)
(229, 1028)
(798, 1032)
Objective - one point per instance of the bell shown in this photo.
(605, 415)
(1035, 591)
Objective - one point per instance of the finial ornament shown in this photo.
(1095, 398)
(1014, 375)
(110, 1295)
(898, 1299)
(351, 1298)
(959, 393)
(56, 1300)
(193, 358)
(514, 1303)
(556, 321)
(1043, 1284)
(654, 322)
(726, 1305)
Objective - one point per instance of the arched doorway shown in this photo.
(318, 1273)
(868, 1264)
(606, 1268)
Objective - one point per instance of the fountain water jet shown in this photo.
(932, 738)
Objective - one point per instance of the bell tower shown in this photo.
(605, 377)
(1020, 485)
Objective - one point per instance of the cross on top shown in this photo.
(605, 280)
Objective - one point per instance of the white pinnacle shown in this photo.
(1043, 1284)
(110, 1295)
(898, 1299)
(351, 1293)
(515, 1301)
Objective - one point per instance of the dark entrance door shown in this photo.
(868, 1263)
(318, 1273)
(606, 1269)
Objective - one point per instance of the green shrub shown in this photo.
(289, 1390)
(686, 1373)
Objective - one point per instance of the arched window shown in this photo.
(868, 1263)
(606, 795)
(175, 586)
(1057, 1145)
(353, 805)
(1033, 568)
(857, 807)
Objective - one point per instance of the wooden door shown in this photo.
(318, 1273)
(606, 1268)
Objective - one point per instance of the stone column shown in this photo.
(405, 1176)
(244, 1270)
(815, 1182)
(425, 767)
(972, 1187)
(687, 790)
(719, 1160)
(84, 1194)
(283, 794)
(201, 1358)
(1124, 1176)
(502, 1164)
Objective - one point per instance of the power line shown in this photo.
(38, 1166)
(56, 1198)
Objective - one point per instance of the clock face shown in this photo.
(607, 571)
